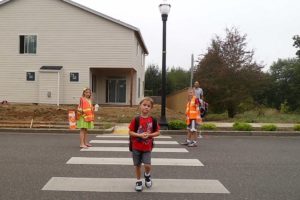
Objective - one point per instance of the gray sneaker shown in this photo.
(192, 144)
(139, 186)
(185, 143)
(148, 182)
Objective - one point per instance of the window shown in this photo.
(94, 83)
(30, 76)
(28, 44)
(74, 77)
(137, 48)
(139, 88)
(143, 88)
(115, 91)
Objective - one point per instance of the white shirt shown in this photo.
(198, 92)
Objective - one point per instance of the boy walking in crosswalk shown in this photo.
(142, 130)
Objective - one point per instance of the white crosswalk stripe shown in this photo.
(126, 142)
(125, 149)
(125, 185)
(126, 136)
(128, 161)
(98, 184)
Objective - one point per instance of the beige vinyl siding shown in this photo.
(140, 68)
(66, 36)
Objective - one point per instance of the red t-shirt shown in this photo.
(145, 124)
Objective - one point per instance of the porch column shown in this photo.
(131, 87)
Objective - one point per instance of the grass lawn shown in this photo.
(266, 116)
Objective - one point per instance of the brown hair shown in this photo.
(147, 99)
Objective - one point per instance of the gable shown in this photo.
(96, 13)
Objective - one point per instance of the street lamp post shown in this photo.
(164, 10)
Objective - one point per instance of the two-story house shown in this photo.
(51, 49)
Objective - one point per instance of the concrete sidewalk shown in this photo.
(123, 127)
(254, 125)
(225, 128)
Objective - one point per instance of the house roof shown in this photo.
(135, 29)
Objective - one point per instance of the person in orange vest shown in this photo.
(85, 118)
(193, 118)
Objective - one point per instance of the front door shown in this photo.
(116, 91)
(49, 87)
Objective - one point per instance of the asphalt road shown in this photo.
(250, 168)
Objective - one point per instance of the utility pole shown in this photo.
(192, 70)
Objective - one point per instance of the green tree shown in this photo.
(152, 81)
(285, 74)
(296, 44)
(227, 72)
(177, 79)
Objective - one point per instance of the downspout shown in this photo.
(58, 82)
(131, 86)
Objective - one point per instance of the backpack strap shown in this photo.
(137, 123)
(154, 128)
(154, 122)
(136, 127)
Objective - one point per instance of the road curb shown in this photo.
(163, 132)
(235, 133)
(59, 131)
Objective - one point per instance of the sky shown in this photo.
(192, 24)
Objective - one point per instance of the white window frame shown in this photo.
(27, 38)
(70, 77)
(35, 76)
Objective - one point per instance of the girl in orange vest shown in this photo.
(86, 116)
(193, 118)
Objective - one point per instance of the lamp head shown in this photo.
(164, 8)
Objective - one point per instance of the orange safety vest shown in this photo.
(87, 109)
(192, 111)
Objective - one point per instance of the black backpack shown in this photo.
(136, 127)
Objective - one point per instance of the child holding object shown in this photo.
(193, 118)
(142, 130)
(86, 117)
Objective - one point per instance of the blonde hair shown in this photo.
(147, 99)
(190, 89)
(85, 89)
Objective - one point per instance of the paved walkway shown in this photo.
(122, 128)
(223, 128)
(255, 125)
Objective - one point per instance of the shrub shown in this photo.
(208, 126)
(269, 127)
(297, 127)
(239, 126)
(284, 108)
(177, 125)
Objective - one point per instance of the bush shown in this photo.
(297, 127)
(269, 127)
(177, 125)
(284, 108)
(239, 126)
(208, 126)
